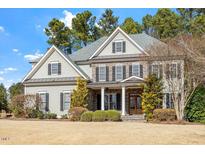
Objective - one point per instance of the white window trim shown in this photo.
(117, 41)
(42, 92)
(117, 65)
(138, 69)
(158, 72)
(170, 69)
(66, 92)
(54, 62)
(100, 67)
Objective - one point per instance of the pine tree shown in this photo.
(108, 22)
(79, 96)
(152, 95)
(131, 27)
(59, 35)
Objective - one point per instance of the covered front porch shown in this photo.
(124, 96)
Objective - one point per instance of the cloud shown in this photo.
(2, 29)
(30, 57)
(15, 50)
(68, 18)
(10, 69)
(1, 78)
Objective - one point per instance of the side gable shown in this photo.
(106, 47)
(68, 68)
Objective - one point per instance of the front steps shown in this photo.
(136, 117)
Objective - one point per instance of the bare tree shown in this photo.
(184, 64)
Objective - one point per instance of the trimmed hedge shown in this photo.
(50, 116)
(86, 116)
(113, 115)
(164, 115)
(99, 116)
(75, 113)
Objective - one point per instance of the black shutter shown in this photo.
(61, 101)
(167, 71)
(118, 101)
(47, 102)
(113, 73)
(38, 101)
(124, 72)
(130, 70)
(107, 73)
(49, 69)
(150, 69)
(179, 71)
(124, 46)
(59, 68)
(141, 71)
(113, 47)
(160, 71)
(97, 74)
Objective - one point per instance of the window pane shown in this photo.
(136, 70)
(118, 46)
(155, 70)
(118, 72)
(54, 68)
(66, 100)
(173, 70)
(43, 97)
(102, 73)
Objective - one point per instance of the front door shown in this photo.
(135, 106)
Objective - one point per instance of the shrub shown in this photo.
(22, 105)
(152, 95)
(164, 115)
(65, 116)
(40, 115)
(113, 115)
(99, 116)
(50, 116)
(195, 109)
(87, 116)
(75, 113)
(32, 113)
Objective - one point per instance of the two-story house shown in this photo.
(114, 67)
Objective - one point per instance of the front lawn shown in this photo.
(65, 132)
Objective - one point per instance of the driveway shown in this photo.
(64, 132)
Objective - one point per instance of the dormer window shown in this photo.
(118, 46)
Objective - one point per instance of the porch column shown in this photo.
(102, 98)
(123, 100)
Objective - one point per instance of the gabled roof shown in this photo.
(131, 78)
(117, 30)
(66, 57)
(143, 40)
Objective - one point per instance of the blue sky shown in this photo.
(22, 36)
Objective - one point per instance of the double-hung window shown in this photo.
(136, 69)
(156, 70)
(102, 73)
(42, 96)
(119, 72)
(54, 68)
(118, 46)
(173, 71)
(66, 100)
